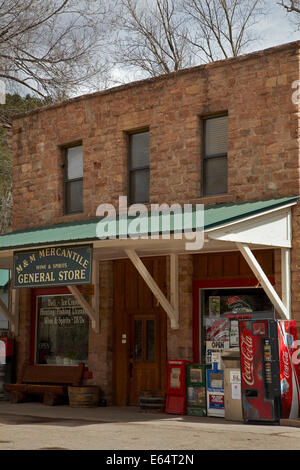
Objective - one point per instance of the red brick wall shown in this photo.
(263, 160)
(100, 344)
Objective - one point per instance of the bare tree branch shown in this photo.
(152, 36)
(53, 47)
(222, 28)
(161, 36)
(291, 5)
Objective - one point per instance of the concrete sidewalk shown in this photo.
(34, 426)
(102, 414)
(108, 414)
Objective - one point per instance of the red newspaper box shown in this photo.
(176, 387)
(6, 349)
(7, 364)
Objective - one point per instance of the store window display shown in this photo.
(62, 331)
(219, 307)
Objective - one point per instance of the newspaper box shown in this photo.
(7, 364)
(215, 391)
(196, 389)
(176, 387)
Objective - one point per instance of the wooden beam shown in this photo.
(264, 281)
(168, 308)
(6, 311)
(95, 282)
(94, 316)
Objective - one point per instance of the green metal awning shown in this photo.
(242, 226)
(84, 231)
(220, 214)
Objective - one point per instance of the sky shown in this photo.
(275, 28)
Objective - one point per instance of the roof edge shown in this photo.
(289, 201)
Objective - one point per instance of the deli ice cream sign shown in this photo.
(53, 266)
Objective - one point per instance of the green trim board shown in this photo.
(214, 216)
(4, 277)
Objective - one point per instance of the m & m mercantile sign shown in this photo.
(53, 266)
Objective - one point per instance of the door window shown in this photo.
(144, 340)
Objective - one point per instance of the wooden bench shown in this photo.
(51, 382)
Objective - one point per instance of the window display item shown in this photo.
(214, 306)
(217, 336)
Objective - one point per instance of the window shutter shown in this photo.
(216, 136)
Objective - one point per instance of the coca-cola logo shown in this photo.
(247, 354)
(286, 364)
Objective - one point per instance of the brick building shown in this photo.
(225, 135)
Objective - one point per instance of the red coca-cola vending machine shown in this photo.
(269, 370)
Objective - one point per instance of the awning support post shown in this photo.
(264, 281)
(94, 316)
(169, 309)
(174, 291)
(95, 281)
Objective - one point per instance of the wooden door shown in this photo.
(139, 325)
(144, 355)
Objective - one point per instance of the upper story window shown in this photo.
(215, 134)
(139, 170)
(73, 179)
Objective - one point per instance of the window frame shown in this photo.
(205, 157)
(66, 181)
(130, 170)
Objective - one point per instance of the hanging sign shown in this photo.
(53, 266)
